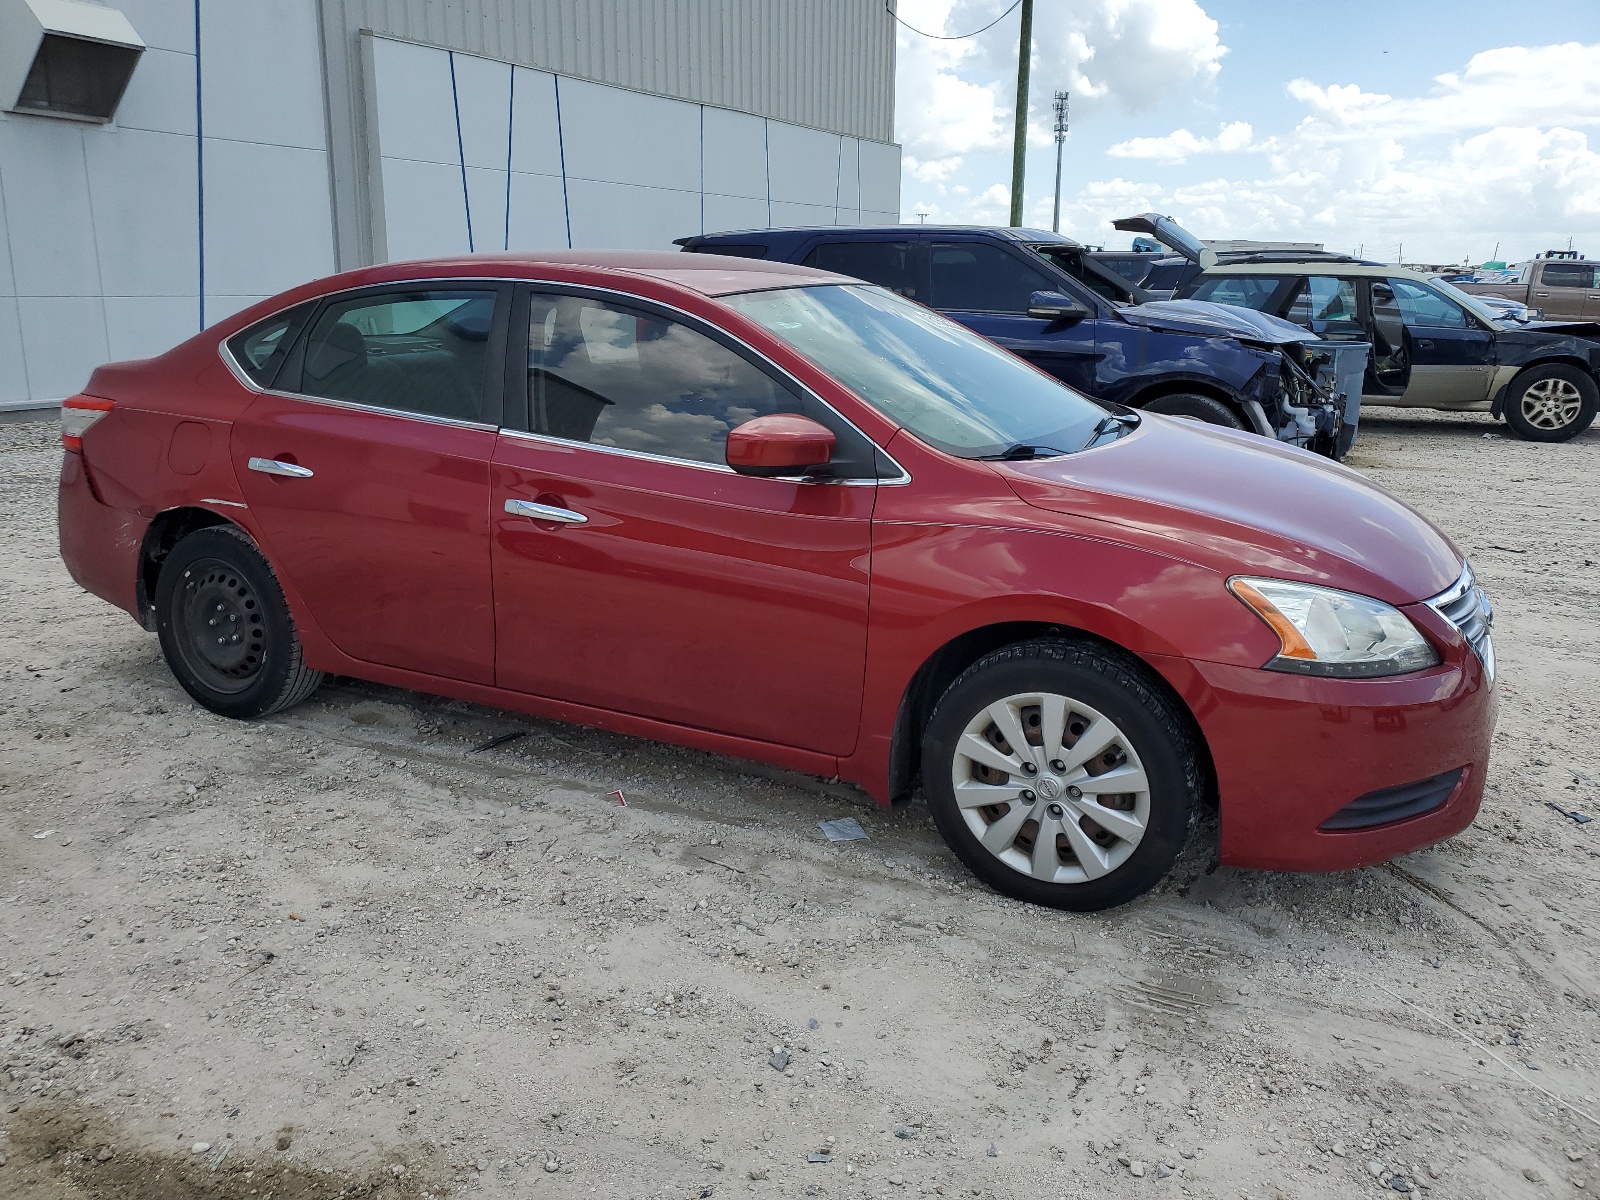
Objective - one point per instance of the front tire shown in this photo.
(1060, 775)
(225, 628)
(1551, 404)
(1207, 409)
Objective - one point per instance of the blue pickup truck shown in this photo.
(1041, 296)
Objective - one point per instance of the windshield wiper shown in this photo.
(1022, 450)
(1110, 423)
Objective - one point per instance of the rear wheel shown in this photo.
(1551, 404)
(1060, 775)
(1196, 408)
(225, 627)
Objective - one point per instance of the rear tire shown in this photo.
(1196, 408)
(225, 628)
(1551, 404)
(1044, 825)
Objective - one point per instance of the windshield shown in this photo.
(1471, 303)
(948, 386)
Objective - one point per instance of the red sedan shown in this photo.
(778, 514)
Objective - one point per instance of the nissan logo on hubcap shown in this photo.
(1047, 787)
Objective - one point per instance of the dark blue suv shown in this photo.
(1041, 296)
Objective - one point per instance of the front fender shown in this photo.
(934, 584)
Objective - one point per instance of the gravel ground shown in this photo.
(341, 951)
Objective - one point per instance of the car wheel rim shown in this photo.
(1551, 403)
(1052, 788)
(220, 629)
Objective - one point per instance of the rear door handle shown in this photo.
(1425, 343)
(545, 512)
(271, 466)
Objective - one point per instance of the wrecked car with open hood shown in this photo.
(1431, 345)
(1041, 296)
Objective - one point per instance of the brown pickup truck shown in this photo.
(1566, 289)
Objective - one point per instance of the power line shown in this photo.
(944, 37)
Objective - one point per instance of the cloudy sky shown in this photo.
(1444, 126)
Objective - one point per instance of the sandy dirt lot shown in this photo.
(342, 952)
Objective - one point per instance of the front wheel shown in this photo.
(1551, 404)
(1060, 775)
(1195, 407)
(225, 628)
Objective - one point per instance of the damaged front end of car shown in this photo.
(1307, 391)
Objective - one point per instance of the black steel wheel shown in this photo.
(225, 627)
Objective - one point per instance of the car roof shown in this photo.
(1315, 267)
(718, 275)
(1010, 233)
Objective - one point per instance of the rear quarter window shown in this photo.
(261, 349)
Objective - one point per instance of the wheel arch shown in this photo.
(160, 536)
(1156, 389)
(931, 680)
(1556, 359)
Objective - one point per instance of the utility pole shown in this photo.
(1019, 148)
(1061, 136)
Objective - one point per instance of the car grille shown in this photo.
(1396, 803)
(1465, 605)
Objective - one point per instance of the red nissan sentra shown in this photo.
(774, 513)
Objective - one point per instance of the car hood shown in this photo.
(1207, 319)
(1584, 329)
(1239, 504)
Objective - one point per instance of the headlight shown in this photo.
(1327, 632)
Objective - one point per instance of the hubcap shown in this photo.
(1041, 746)
(219, 625)
(1551, 403)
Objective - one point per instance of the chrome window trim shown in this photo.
(903, 478)
(719, 468)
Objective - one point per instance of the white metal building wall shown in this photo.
(238, 163)
(100, 226)
(469, 154)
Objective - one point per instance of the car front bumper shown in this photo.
(1292, 753)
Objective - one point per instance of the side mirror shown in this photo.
(782, 444)
(1053, 306)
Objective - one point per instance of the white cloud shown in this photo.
(955, 98)
(1502, 150)
(1236, 137)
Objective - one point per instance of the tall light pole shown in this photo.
(1061, 136)
(1019, 147)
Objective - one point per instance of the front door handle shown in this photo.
(545, 512)
(1425, 344)
(272, 466)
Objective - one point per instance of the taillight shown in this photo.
(77, 414)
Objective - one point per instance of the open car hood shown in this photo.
(1215, 320)
(1169, 233)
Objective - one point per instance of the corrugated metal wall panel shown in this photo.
(828, 64)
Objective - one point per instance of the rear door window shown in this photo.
(890, 265)
(1568, 275)
(982, 277)
(419, 352)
